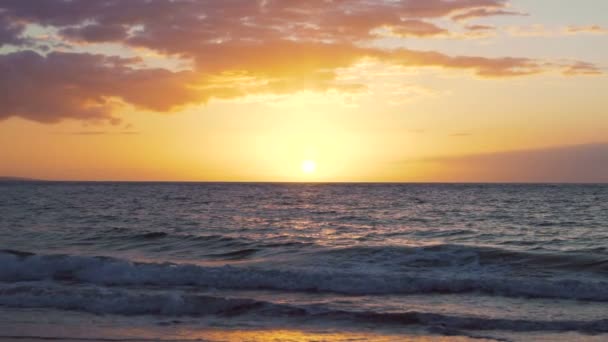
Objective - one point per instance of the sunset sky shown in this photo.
(318, 90)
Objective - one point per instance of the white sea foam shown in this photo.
(102, 300)
(109, 271)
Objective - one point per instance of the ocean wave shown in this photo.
(108, 301)
(466, 257)
(22, 266)
(240, 241)
(217, 245)
(224, 247)
(176, 303)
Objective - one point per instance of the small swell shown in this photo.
(238, 254)
(211, 238)
(452, 256)
(151, 235)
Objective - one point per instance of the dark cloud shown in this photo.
(95, 33)
(84, 86)
(203, 20)
(10, 31)
(479, 27)
(579, 163)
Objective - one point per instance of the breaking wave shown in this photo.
(175, 303)
(22, 266)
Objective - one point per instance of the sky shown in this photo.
(319, 90)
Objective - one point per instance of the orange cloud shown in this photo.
(538, 30)
(237, 48)
(83, 86)
(592, 29)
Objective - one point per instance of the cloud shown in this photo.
(480, 27)
(235, 49)
(539, 30)
(416, 28)
(589, 29)
(10, 31)
(423, 29)
(97, 133)
(95, 33)
(581, 68)
(88, 87)
(482, 66)
(84, 86)
(483, 12)
(578, 163)
(162, 22)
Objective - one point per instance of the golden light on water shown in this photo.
(276, 335)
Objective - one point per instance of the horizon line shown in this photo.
(37, 180)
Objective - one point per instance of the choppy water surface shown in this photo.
(495, 261)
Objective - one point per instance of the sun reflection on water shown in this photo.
(286, 335)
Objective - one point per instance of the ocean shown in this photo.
(298, 262)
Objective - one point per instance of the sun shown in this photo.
(309, 166)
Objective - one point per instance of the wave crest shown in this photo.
(175, 303)
(19, 266)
